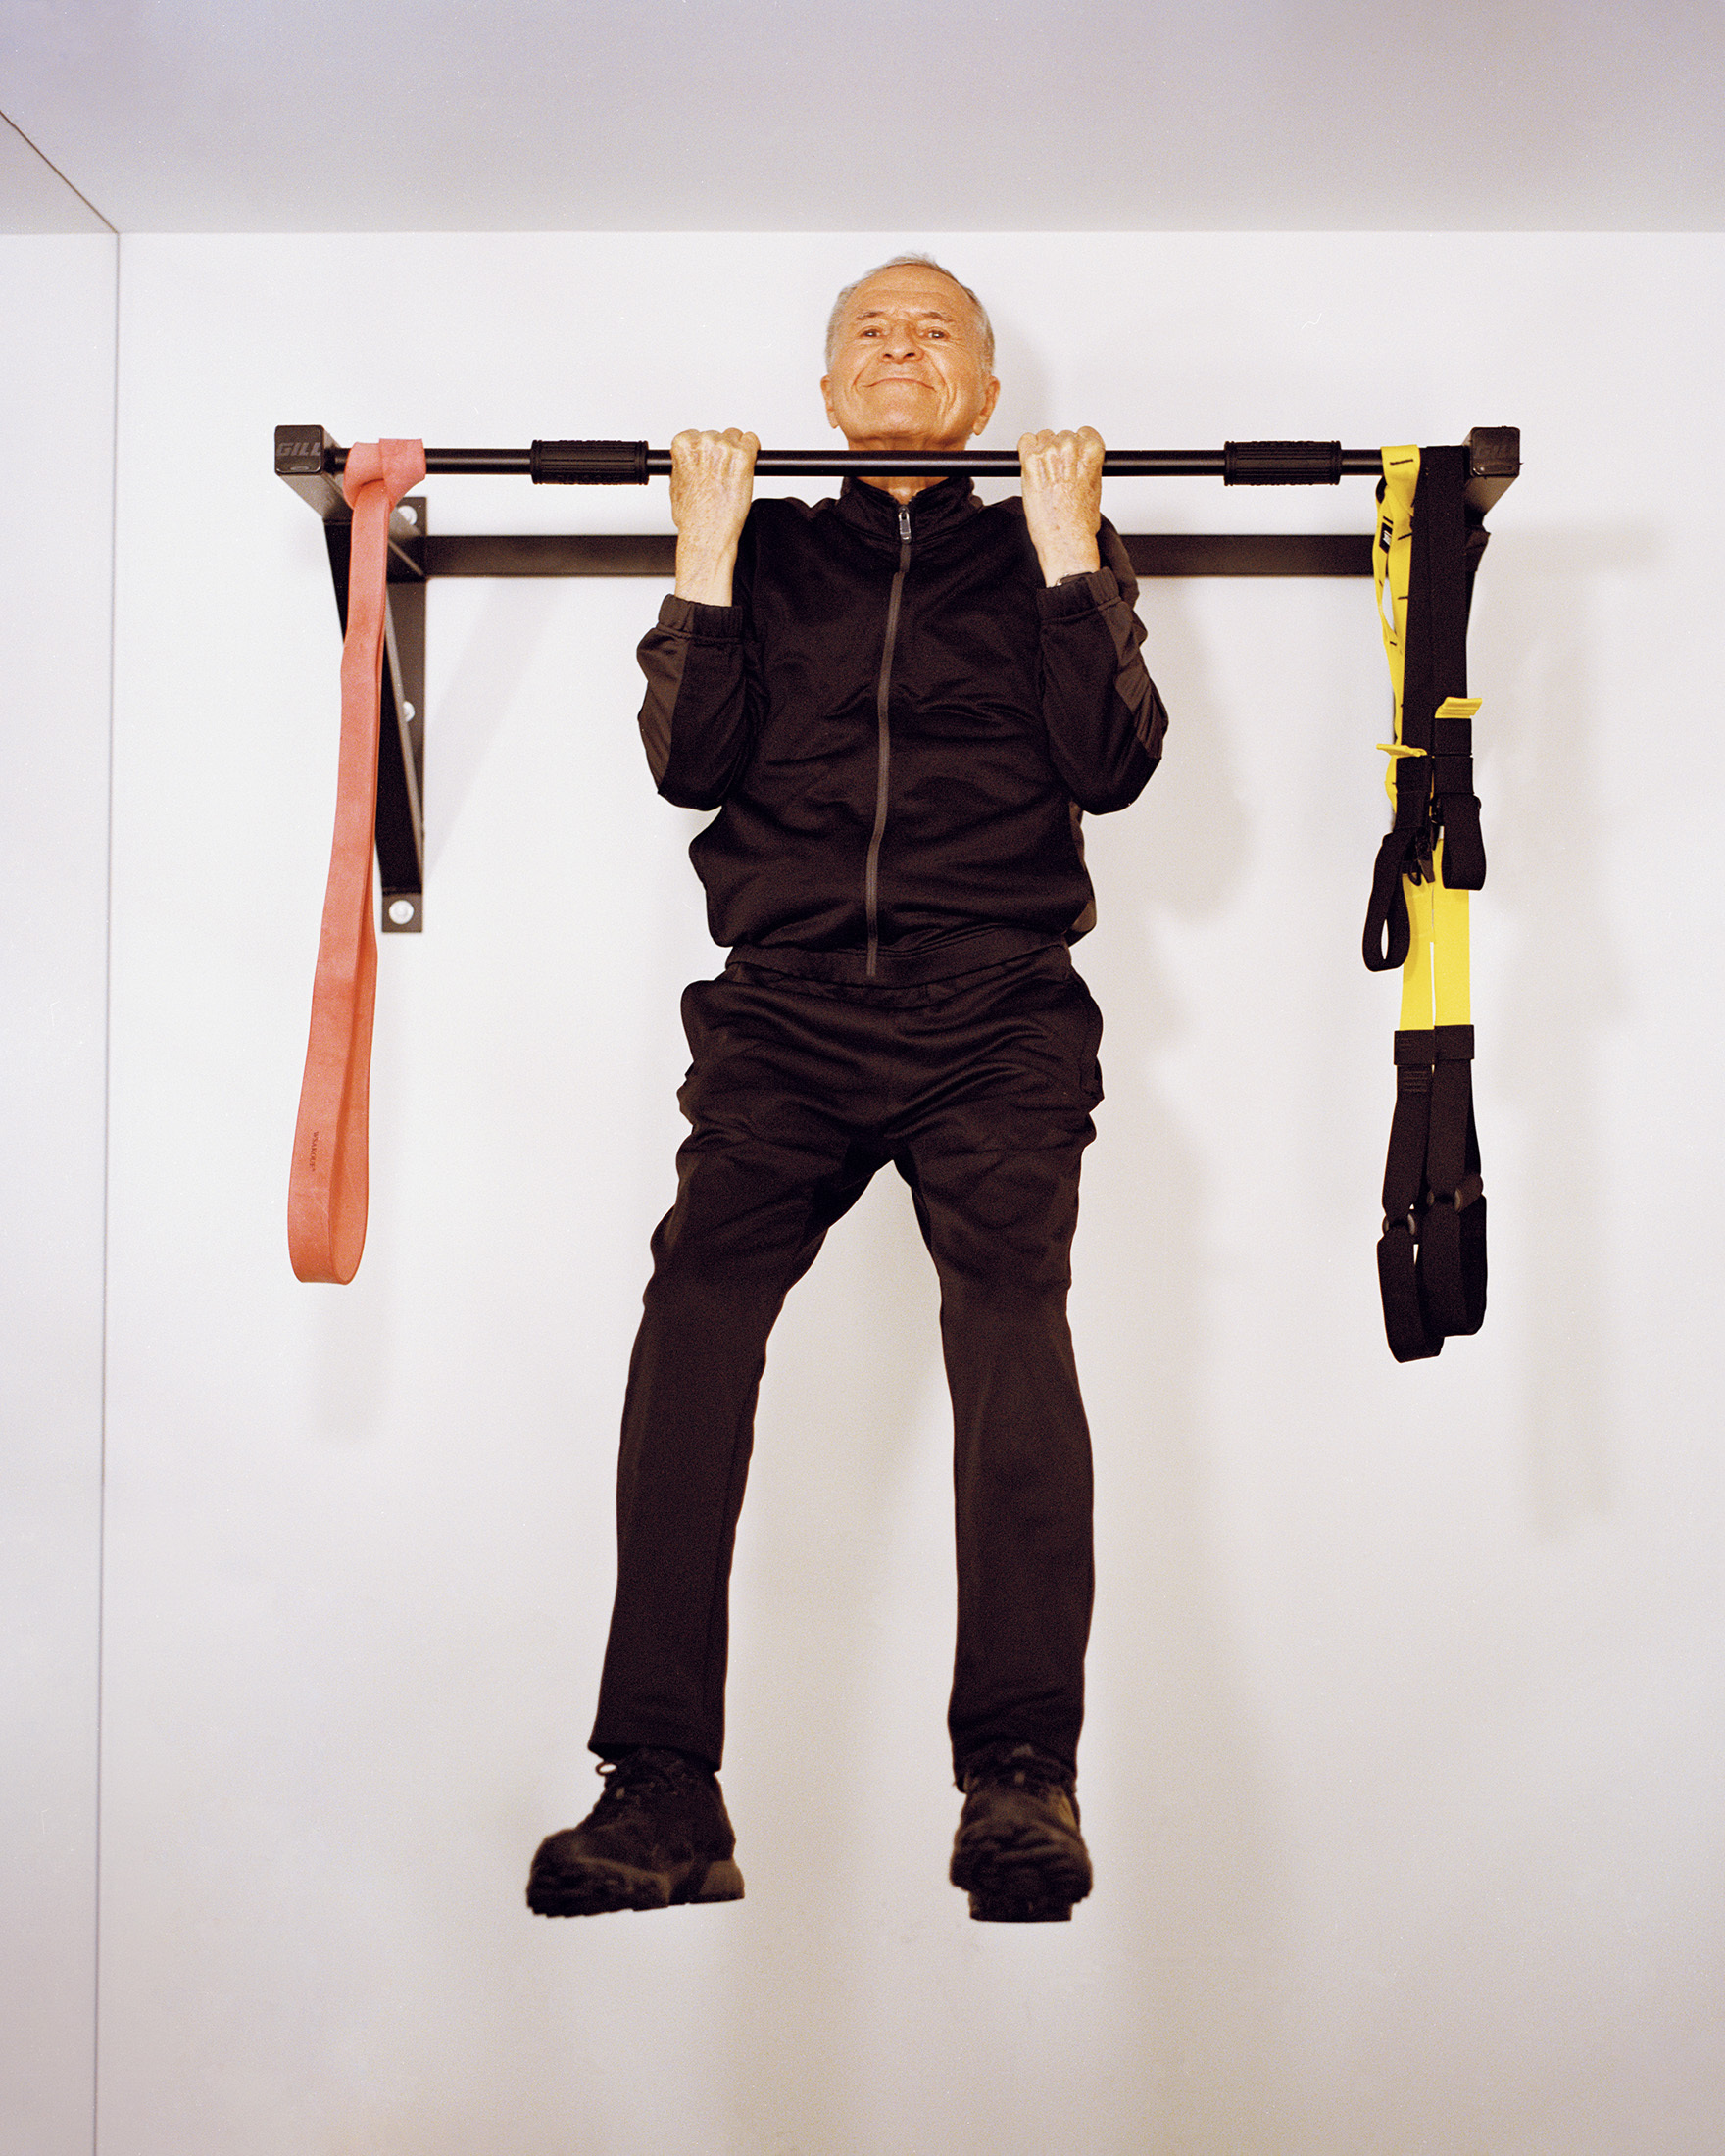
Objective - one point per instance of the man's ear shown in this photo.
(988, 404)
(826, 399)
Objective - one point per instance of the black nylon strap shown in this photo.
(1447, 541)
(1432, 1253)
(1435, 664)
(1452, 1250)
(1458, 804)
(1387, 930)
(1407, 1326)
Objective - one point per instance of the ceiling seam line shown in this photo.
(58, 173)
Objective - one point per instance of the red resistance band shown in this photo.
(326, 1189)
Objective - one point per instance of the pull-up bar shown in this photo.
(306, 453)
(1428, 535)
(634, 464)
(311, 461)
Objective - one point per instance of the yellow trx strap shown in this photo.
(1435, 972)
(1391, 559)
(1431, 1257)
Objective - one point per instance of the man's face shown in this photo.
(908, 370)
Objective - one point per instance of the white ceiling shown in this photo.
(861, 114)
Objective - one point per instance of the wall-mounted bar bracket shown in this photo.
(300, 454)
(1494, 464)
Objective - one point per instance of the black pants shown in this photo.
(979, 1089)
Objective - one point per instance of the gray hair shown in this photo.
(835, 320)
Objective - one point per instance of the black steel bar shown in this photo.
(400, 826)
(980, 464)
(654, 553)
(307, 458)
(552, 554)
(1248, 553)
(401, 820)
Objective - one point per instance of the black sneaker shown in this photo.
(659, 1835)
(1019, 1853)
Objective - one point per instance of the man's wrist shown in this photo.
(1074, 561)
(704, 577)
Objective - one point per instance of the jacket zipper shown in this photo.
(882, 692)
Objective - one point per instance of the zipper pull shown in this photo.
(903, 524)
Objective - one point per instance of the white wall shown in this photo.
(1403, 1772)
(55, 555)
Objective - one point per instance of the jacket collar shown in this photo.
(872, 511)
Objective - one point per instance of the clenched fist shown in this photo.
(712, 480)
(1062, 498)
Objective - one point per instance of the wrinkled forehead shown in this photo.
(924, 294)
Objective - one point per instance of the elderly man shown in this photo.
(899, 701)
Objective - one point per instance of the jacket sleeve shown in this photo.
(703, 704)
(1105, 720)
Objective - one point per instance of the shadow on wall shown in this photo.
(1178, 1795)
(1187, 1929)
(1567, 987)
(1024, 401)
(824, 1603)
(496, 657)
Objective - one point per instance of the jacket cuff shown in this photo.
(1075, 595)
(689, 617)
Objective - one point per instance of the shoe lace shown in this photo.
(1018, 1766)
(643, 1776)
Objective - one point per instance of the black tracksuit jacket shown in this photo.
(899, 725)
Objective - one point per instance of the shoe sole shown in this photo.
(1021, 1881)
(600, 1889)
(1020, 1909)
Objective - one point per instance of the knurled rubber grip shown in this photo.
(589, 464)
(1281, 464)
